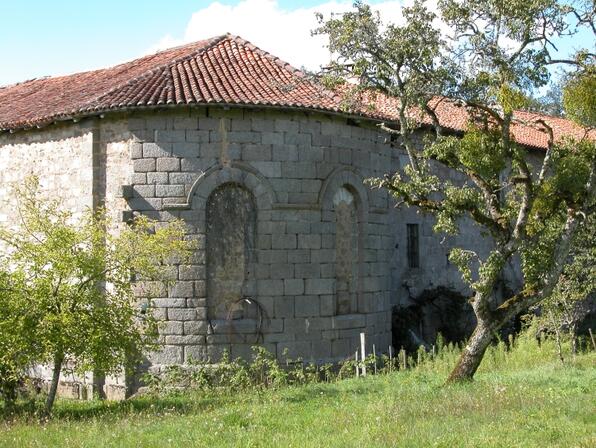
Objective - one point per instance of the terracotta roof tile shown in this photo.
(222, 70)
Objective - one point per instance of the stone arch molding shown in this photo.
(218, 175)
(246, 175)
(340, 177)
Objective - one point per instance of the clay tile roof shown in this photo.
(224, 70)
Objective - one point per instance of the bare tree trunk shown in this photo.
(573, 334)
(472, 354)
(58, 360)
(559, 348)
(592, 338)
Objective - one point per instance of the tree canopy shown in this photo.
(67, 291)
(489, 59)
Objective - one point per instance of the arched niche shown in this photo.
(348, 248)
(231, 226)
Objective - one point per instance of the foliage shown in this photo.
(569, 303)
(263, 371)
(18, 346)
(579, 96)
(520, 388)
(68, 298)
(498, 54)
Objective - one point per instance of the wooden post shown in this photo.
(592, 337)
(363, 352)
(375, 358)
(390, 359)
(356, 364)
(403, 359)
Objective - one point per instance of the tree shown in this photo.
(572, 297)
(551, 103)
(500, 52)
(18, 348)
(67, 292)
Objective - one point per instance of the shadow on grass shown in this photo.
(328, 390)
(74, 410)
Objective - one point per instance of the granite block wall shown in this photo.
(320, 256)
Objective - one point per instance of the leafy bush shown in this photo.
(66, 295)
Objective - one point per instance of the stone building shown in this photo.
(266, 168)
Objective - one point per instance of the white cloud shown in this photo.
(283, 33)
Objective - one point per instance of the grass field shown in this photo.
(521, 400)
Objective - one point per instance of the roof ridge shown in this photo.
(260, 51)
(211, 43)
(280, 62)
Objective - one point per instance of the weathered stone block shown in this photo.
(192, 272)
(307, 306)
(268, 169)
(273, 256)
(186, 123)
(320, 286)
(281, 270)
(169, 354)
(185, 149)
(307, 270)
(146, 191)
(168, 303)
(157, 178)
(299, 256)
(182, 314)
(262, 124)
(195, 353)
(157, 150)
(181, 289)
(284, 307)
(284, 153)
(270, 287)
(341, 348)
(256, 152)
(289, 126)
(328, 305)
(169, 190)
(185, 339)
(170, 135)
(309, 241)
(283, 241)
(193, 136)
(143, 165)
(195, 327)
(293, 287)
(168, 164)
(272, 138)
(136, 150)
(347, 321)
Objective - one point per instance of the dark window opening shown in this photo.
(413, 252)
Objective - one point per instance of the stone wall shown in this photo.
(60, 156)
(320, 256)
(283, 290)
(83, 165)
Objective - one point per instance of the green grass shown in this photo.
(521, 399)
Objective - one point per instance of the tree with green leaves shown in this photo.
(496, 54)
(572, 300)
(67, 292)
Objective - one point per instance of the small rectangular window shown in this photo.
(413, 253)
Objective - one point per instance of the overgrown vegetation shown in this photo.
(67, 293)
(521, 389)
(264, 371)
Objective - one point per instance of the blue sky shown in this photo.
(50, 37)
(43, 37)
